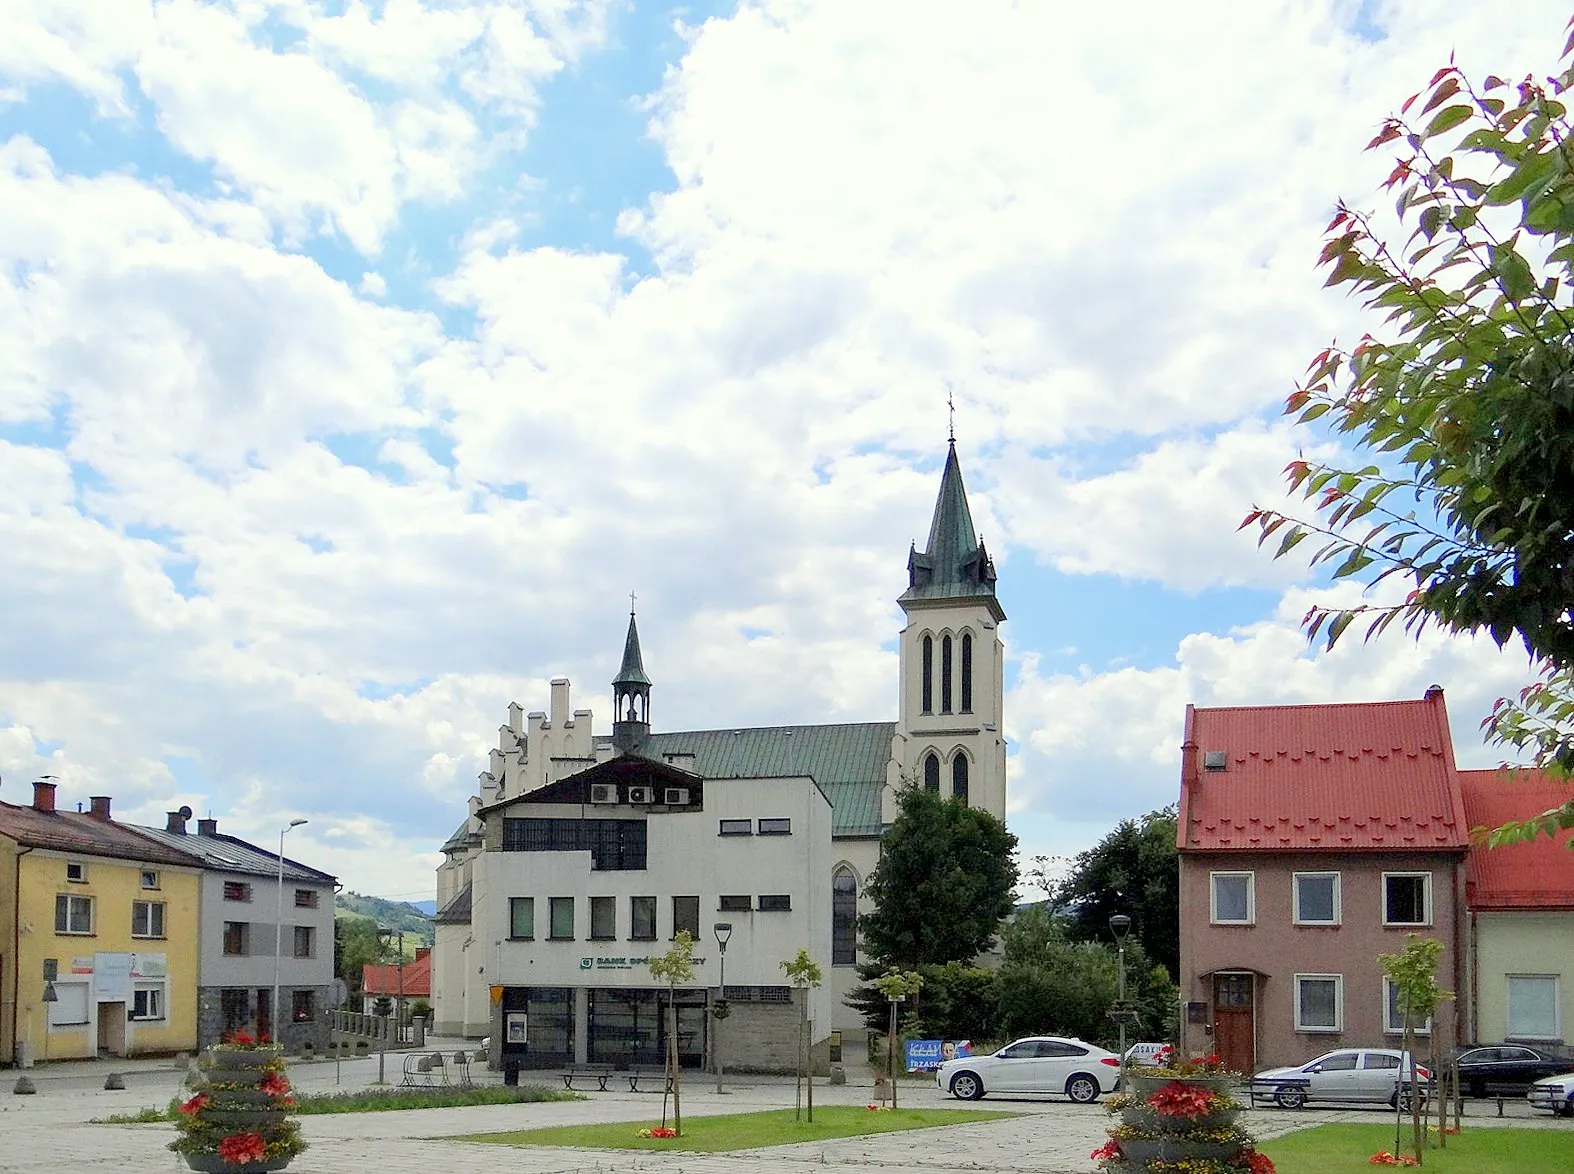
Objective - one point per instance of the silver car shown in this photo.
(1359, 1075)
(1555, 1093)
(1038, 1064)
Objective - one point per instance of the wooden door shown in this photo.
(1234, 1026)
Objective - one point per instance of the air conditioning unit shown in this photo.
(603, 793)
(676, 796)
(642, 794)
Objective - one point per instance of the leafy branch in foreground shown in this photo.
(1467, 405)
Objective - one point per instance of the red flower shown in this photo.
(663, 1132)
(242, 1148)
(1177, 1099)
(195, 1104)
(241, 1038)
(1259, 1163)
(1110, 1151)
(275, 1085)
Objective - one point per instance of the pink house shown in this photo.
(1312, 839)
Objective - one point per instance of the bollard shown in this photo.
(24, 1087)
(114, 1081)
(1500, 1106)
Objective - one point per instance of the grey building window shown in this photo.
(642, 919)
(561, 911)
(603, 919)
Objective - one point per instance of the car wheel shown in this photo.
(1082, 1089)
(1290, 1098)
(966, 1086)
(1567, 1110)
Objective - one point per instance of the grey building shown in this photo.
(245, 912)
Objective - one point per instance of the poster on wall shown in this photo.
(514, 1031)
(925, 1055)
(112, 978)
(149, 966)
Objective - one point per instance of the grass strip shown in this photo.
(741, 1131)
(1346, 1149)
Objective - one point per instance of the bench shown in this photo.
(600, 1073)
(657, 1076)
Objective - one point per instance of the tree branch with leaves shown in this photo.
(1466, 402)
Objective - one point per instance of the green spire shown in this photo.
(633, 670)
(954, 564)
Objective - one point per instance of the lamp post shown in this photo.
(278, 937)
(1120, 926)
(719, 1009)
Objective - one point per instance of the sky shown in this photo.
(358, 359)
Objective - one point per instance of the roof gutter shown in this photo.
(16, 953)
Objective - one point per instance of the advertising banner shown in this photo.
(925, 1055)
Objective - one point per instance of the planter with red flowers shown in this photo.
(237, 1120)
(1179, 1118)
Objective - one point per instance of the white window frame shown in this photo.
(1295, 898)
(1557, 1007)
(1251, 897)
(76, 872)
(149, 878)
(74, 901)
(155, 995)
(149, 930)
(1394, 1025)
(1321, 1029)
(1426, 898)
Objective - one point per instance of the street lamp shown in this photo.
(278, 937)
(719, 1009)
(1120, 926)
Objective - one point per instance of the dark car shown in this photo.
(1507, 1068)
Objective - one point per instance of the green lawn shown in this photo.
(1345, 1149)
(741, 1131)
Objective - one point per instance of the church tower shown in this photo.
(631, 698)
(949, 734)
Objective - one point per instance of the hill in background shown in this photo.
(410, 917)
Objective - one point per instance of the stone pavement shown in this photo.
(49, 1132)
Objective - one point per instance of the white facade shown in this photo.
(837, 784)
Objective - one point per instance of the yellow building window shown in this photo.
(73, 915)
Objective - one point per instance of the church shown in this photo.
(583, 854)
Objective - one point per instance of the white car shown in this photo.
(1369, 1075)
(1038, 1064)
(1555, 1093)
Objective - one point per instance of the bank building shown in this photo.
(582, 854)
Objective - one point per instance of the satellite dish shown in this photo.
(185, 813)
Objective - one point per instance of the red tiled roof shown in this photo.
(1536, 875)
(1360, 777)
(88, 835)
(384, 980)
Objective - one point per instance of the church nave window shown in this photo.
(844, 918)
(959, 776)
(931, 771)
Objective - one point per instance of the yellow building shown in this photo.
(98, 935)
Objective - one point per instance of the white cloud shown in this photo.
(303, 548)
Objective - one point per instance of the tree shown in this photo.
(355, 946)
(1467, 404)
(1133, 870)
(1050, 984)
(673, 967)
(803, 973)
(944, 882)
(1413, 971)
(898, 986)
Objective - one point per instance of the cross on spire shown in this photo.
(631, 602)
(950, 403)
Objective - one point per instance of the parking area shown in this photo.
(49, 1131)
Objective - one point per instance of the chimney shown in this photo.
(43, 796)
(1434, 693)
(100, 809)
(207, 827)
(175, 821)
